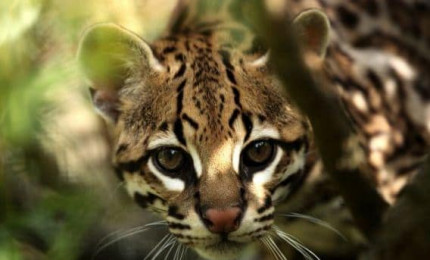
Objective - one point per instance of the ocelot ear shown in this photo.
(312, 27)
(109, 55)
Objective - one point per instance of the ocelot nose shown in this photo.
(222, 220)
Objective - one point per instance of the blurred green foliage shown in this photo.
(37, 220)
(46, 209)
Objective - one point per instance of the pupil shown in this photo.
(170, 159)
(260, 152)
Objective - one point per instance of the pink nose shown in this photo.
(222, 220)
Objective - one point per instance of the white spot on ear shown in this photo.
(261, 61)
(196, 160)
(169, 183)
(264, 176)
(359, 101)
(156, 65)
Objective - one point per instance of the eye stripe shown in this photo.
(173, 184)
(265, 175)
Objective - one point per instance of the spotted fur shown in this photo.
(205, 88)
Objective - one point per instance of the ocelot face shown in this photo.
(216, 156)
(203, 134)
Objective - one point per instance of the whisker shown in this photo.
(157, 223)
(127, 231)
(263, 241)
(162, 241)
(178, 248)
(120, 185)
(175, 243)
(296, 244)
(276, 248)
(170, 241)
(315, 221)
(182, 252)
(185, 252)
(273, 248)
(122, 234)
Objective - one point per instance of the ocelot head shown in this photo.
(203, 133)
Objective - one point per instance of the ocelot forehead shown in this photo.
(206, 95)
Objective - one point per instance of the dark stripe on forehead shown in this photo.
(179, 103)
(181, 86)
(233, 117)
(236, 95)
(228, 67)
(180, 57)
(191, 121)
(180, 72)
(121, 148)
(169, 49)
(231, 76)
(163, 126)
(225, 55)
(180, 97)
(179, 131)
(247, 123)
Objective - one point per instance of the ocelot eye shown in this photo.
(258, 154)
(169, 159)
